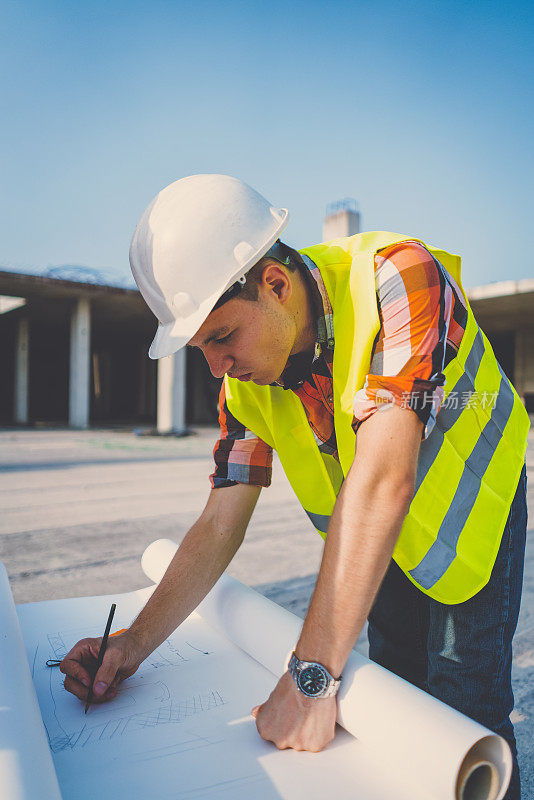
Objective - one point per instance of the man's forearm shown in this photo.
(202, 557)
(362, 534)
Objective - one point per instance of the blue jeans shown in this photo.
(461, 654)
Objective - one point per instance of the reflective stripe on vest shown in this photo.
(447, 416)
(319, 521)
(443, 552)
(469, 465)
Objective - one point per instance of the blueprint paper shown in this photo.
(422, 739)
(181, 728)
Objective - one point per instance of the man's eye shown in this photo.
(224, 338)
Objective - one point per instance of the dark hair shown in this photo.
(248, 290)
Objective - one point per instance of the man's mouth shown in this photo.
(243, 376)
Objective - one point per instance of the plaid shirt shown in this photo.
(423, 317)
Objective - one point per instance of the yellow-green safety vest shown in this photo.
(468, 467)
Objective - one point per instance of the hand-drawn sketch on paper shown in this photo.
(180, 728)
(144, 701)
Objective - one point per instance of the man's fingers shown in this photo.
(75, 670)
(108, 672)
(80, 657)
(76, 688)
(81, 649)
(78, 667)
(81, 692)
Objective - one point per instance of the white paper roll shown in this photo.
(419, 738)
(26, 767)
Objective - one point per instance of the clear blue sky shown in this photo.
(422, 111)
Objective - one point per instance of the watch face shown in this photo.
(312, 681)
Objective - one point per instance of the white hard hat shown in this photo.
(195, 239)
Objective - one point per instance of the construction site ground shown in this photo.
(77, 509)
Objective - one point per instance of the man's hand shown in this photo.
(121, 659)
(199, 562)
(292, 720)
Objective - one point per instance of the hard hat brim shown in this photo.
(172, 336)
(164, 344)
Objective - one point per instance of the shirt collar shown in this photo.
(325, 319)
(299, 366)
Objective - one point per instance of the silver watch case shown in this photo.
(312, 679)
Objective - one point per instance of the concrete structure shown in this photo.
(80, 364)
(172, 378)
(342, 219)
(21, 372)
(505, 312)
(78, 508)
(76, 354)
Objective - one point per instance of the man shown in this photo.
(338, 357)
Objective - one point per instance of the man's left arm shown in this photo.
(363, 530)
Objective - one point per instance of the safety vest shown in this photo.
(468, 467)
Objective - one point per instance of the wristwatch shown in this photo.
(313, 679)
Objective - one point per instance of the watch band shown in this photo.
(312, 678)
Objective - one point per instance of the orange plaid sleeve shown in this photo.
(240, 456)
(423, 317)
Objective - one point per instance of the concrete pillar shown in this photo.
(524, 362)
(141, 399)
(22, 364)
(172, 393)
(80, 364)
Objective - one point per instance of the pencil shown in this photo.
(101, 653)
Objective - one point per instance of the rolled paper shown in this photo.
(26, 766)
(421, 739)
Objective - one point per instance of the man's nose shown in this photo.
(219, 364)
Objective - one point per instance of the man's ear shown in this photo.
(274, 278)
